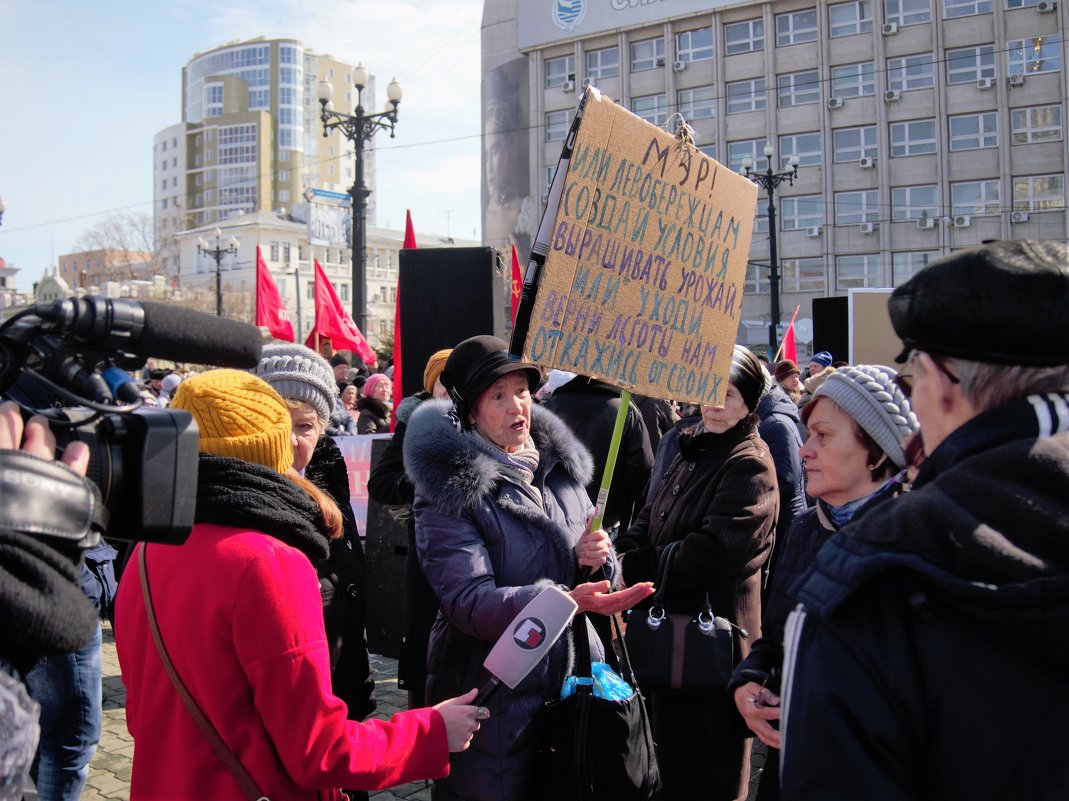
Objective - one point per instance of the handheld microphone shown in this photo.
(527, 640)
(155, 329)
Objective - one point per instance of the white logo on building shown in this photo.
(567, 14)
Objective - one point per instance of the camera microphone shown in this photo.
(155, 329)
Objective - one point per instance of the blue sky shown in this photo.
(84, 87)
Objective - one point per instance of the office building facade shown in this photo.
(921, 126)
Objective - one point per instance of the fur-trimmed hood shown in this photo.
(455, 470)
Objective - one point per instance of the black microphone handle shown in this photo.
(486, 692)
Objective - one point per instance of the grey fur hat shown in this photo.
(867, 392)
(299, 373)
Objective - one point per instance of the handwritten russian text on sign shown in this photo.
(642, 285)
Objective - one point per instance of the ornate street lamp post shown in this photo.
(769, 180)
(359, 127)
(217, 253)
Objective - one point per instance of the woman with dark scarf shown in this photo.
(858, 422)
(718, 498)
(240, 614)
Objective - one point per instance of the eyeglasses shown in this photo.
(904, 381)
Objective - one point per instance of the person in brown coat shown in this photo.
(720, 499)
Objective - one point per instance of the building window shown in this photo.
(906, 265)
(696, 45)
(970, 64)
(746, 96)
(1020, 3)
(798, 88)
(1038, 192)
(974, 131)
(163, 203)
(559, 70)
(756, 279)
(909, 12)
(912, 138)
(914, 202)
(1038, 124)
(647, 54)
(163, 185)
(965, 8)
(550, 172)
(796, 27)
(283, 195)
(557, 125)
(604, 63)
(709, 150)
(343, 292)
(163, 164)
(209, 195)
(975, 198)
(853, 80)
(698, 103)
(286, 252)
(752, 148)
(744, 37)
(274, 251)
(858, 271)
(846, 19)
(801, 211)
(805, 146)
(760, 219)
(310, 292)
(651, 108)
(1035, 55)
(853, 144)
(853, 208)
(802, 275)
(910, 72)
(283, 175)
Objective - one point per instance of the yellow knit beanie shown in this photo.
(238, 415)
(434, 368)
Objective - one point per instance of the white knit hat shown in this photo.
(868, 393)
(299, 373)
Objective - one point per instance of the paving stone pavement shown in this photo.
(109, 772)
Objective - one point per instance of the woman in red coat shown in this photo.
(240, 613)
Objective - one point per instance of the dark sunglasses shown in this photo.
(904, 381)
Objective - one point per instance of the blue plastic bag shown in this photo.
(606, 684)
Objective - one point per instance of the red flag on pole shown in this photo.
(334, 322)
(270, 310)
(398, 390)
(517, 282)
(787, 348)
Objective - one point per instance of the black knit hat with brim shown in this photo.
(474, 365)
(1004, 303)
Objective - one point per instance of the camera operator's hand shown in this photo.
(37, 439)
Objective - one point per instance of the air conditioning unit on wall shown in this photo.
(836, 102)
(867, 228)
(985, 83)
(568, 86)
(866, 163)
(892, 95)
(926, 222)
(1017, 79)
(889, 28)
(679, 66)
(1046, 6)
(962, 221)
(1017, 217)
(814, 231)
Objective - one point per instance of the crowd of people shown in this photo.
(889, 548)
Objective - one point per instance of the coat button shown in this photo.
(664, 514)
(692, 465)
(351, 589)
(675, 490)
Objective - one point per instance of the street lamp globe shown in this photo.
(234, 244)
(325, 92)
(394, 92)
(3, 206)
(747, 163)
(768, 151)
(360, 76)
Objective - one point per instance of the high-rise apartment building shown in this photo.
(921, 126)
(250, 138)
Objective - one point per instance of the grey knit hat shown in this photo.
(868, 393)
(299, 373)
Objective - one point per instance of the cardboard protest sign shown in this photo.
(644, 265)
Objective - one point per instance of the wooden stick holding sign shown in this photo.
(639, 261)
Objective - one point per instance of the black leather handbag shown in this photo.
(599, 749)
(681, 651)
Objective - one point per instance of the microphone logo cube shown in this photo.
(529, 633)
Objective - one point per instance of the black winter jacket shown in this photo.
(928, 658)
(779, 429)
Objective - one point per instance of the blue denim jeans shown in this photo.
(68, 689)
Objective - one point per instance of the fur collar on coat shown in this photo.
(455, 471)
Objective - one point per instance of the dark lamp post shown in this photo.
(359, 127)
(769, 180)
(217, 253)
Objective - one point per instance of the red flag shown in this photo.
(270, 310)
(517, 282)
(787, 348)
(334, 322)
(398, 390)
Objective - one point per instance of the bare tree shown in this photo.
(127, 239)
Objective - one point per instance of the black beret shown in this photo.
(337, 359)
(1006, 302)
(157, 374)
